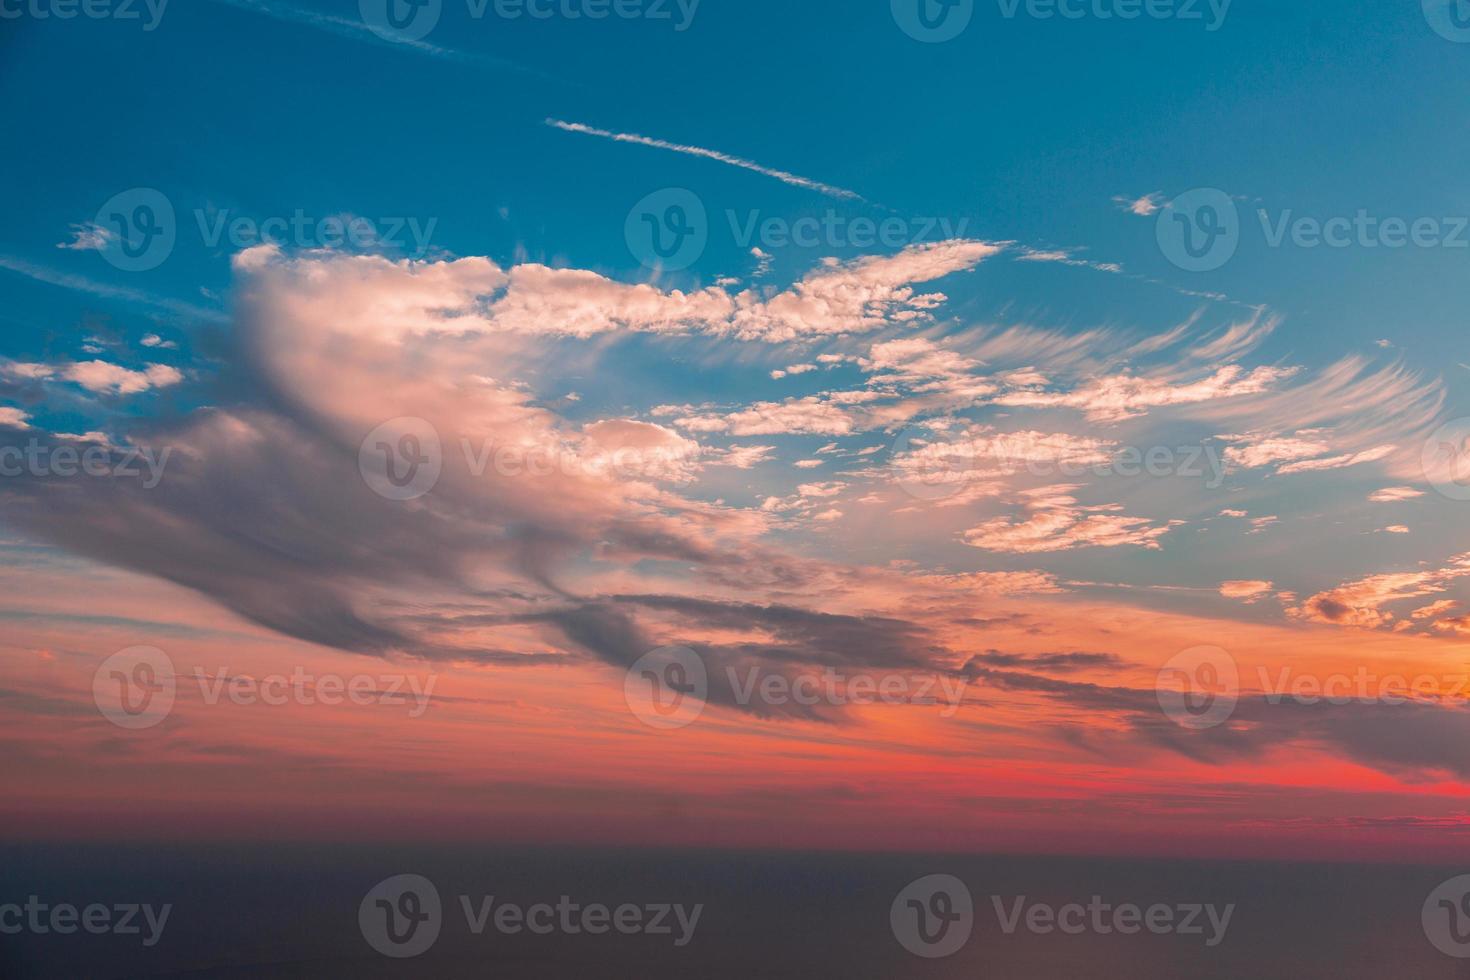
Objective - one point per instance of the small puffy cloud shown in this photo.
(1144, 207)
(1396, 529)
(1393, 495)
(154, 340)
(89, 237)
(1248, 589)
(13, 418)
(103, 377)
(808, 464)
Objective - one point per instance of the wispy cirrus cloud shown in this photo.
(67, 280)
(356, 29)
(698, 151)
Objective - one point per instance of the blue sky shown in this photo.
(1021, 130)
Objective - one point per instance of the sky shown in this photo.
(984, 371)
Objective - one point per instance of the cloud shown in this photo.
(13, 418)
(1064, 257)
(1434, 609)
(99, 377)
(1249, 590)
(105, 378)
(697, 151)
(89, 237)
(1393, 495)
(471, 295)
(1144, 207)
(1057, 522)
(1361, 603)
(1127, 396)
(1338, 462)
(66, 280)
(356, 29)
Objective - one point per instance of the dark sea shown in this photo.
(346, 911)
